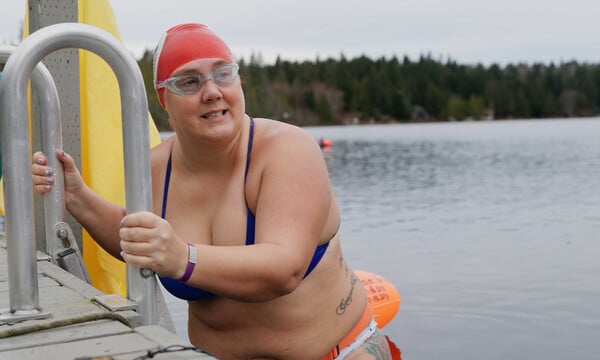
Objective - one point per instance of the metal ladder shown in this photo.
(61, 246)
(59, 242)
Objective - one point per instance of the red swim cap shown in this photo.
(182, 44)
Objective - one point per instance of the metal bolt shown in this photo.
(146, 273)
(62, 234)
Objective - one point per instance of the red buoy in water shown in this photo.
(325, 143)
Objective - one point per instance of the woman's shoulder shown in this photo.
(276, 142)
(161, 151)
(164, 145)
(274, 133)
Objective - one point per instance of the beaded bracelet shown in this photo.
(192, 258)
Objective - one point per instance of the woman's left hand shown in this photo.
(148, 241)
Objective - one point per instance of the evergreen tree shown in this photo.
(338, 90)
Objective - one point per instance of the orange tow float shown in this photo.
(383, 297)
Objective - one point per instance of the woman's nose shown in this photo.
(210, 91)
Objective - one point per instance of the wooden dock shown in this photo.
(79, 327)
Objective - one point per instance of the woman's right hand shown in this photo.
(97, 215)
(43, 175)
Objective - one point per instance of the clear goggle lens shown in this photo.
(189, 84)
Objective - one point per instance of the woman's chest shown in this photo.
(215, 215)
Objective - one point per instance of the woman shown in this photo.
(244, 225)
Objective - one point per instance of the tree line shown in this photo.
(365, 90)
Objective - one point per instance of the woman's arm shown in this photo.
(98, 216)
(289, 192)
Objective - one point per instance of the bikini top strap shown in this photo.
(166, 187)
(250, 138)
(250, 219)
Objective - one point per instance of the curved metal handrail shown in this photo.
(45, 96)
(14, 137)
(24, 298)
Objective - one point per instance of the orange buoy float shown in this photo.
(383, 297)
(325, 143)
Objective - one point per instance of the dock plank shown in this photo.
(78, 327)
(126, 346)
(93, 329)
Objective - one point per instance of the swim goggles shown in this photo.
(189, 84)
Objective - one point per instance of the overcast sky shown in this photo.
(467, 31)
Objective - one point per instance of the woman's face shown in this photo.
(211, 110)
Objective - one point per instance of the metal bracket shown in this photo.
(115, 302)
(12, 317)
(42, 256)
(68, 256)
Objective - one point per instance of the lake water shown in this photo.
(489, 230)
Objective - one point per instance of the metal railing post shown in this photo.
(64, 250)
(141, 283)
(22, 265)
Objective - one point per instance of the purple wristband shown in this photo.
(192, 258)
